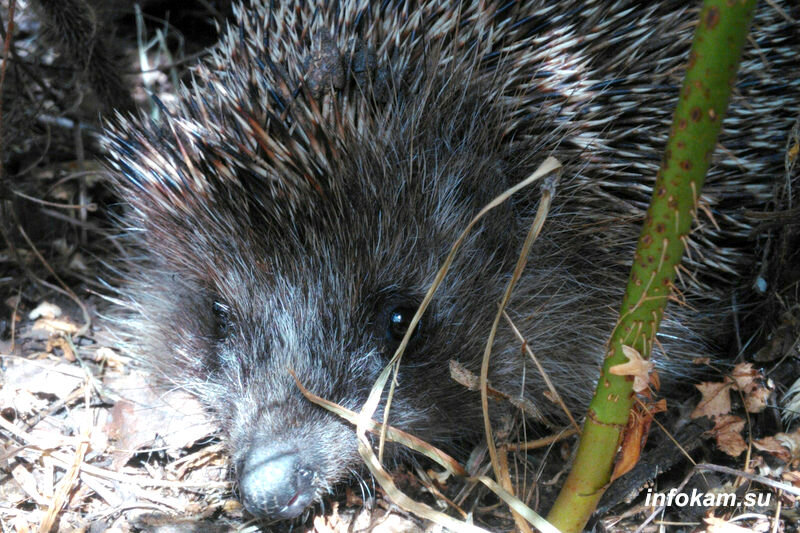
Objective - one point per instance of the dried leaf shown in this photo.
(110, 358)
(27, 380)
(27, 481)
(744, 375)
(785, 446)
(755, 399)
(62, 344)
(144, 417)
(636, 366)
(727, 431)
(716, 399)
(635, 436)
(462, 376)
(792, 477)
(774, 447)
(749, 381)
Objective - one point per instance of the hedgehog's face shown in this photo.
(239, 306)
(332, 311)
(268, 255)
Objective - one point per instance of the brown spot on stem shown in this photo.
(660, 227)
(696, 114)
(712, 18)
(686, 165)
(692, 60)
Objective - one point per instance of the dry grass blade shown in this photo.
(68, 481)
(392, 434)
(518, 506)
(371, 405)
(541, 443)
(501, 473)
(433, 453)
(543, 373)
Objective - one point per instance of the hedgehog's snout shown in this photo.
(274, 482)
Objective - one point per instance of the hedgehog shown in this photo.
(289, 212)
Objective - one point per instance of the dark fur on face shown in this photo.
(279, 224)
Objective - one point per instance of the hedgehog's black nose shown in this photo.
(274, 483)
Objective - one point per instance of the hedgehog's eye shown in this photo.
(399, 319)
(222, 320)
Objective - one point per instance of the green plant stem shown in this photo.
(710, 75)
